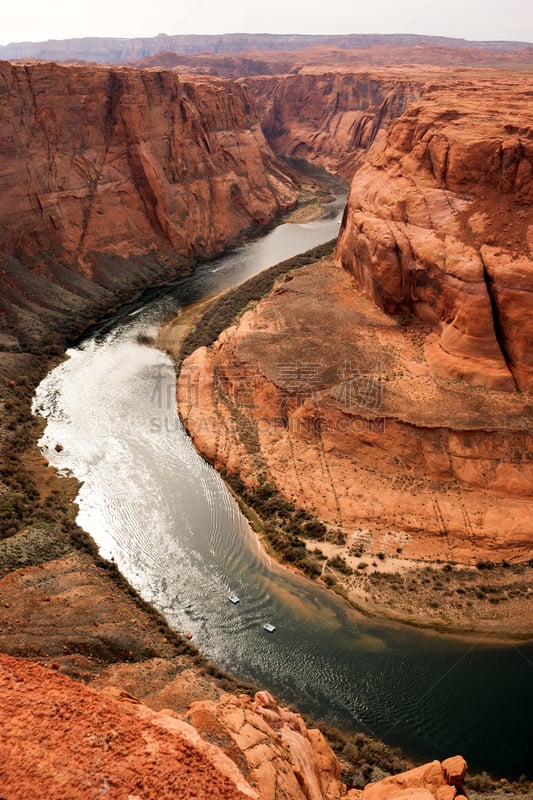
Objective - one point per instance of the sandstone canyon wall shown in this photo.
(115, 178)
(439, 224)
(410, 425)
(331, 116)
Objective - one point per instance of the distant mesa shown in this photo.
(105, 50)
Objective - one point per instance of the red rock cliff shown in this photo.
(330, 116)
(61, 739)
(102, 164)
(439, 223)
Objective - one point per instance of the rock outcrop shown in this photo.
(62, 739)
(439, 224)
(114, 178)
(434, 780)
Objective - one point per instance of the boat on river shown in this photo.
(269, 627)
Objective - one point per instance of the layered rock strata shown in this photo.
(114, 178)
(439, 224)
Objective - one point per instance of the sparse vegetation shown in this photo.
(363, 758)
(227, 308)
(282, 525)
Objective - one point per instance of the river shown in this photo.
(165, 516)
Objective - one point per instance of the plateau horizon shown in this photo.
(493, 20)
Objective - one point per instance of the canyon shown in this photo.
(387, 390)
(393, 378)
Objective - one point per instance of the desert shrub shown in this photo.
(480, 783)
(338, 536)
(314, 529)
(338, 562)
(310, 566)
(481, 564)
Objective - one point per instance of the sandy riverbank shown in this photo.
(171, 335)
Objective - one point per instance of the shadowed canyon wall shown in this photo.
(331, 117)
(114, 179)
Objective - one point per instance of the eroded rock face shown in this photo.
(115, 177)
(331, 116)
(280, 756)
(117, 160)
(62, 739)
(439, 224)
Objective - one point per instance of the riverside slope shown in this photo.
(390, 389)
(115, 178)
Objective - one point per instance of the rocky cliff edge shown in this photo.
(64, 740)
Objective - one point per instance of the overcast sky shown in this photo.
(37, 20)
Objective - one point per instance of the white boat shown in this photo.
(269, 627)
(234, 599)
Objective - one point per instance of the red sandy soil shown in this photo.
(62, 740)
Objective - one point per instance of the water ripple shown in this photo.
(151, 503)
